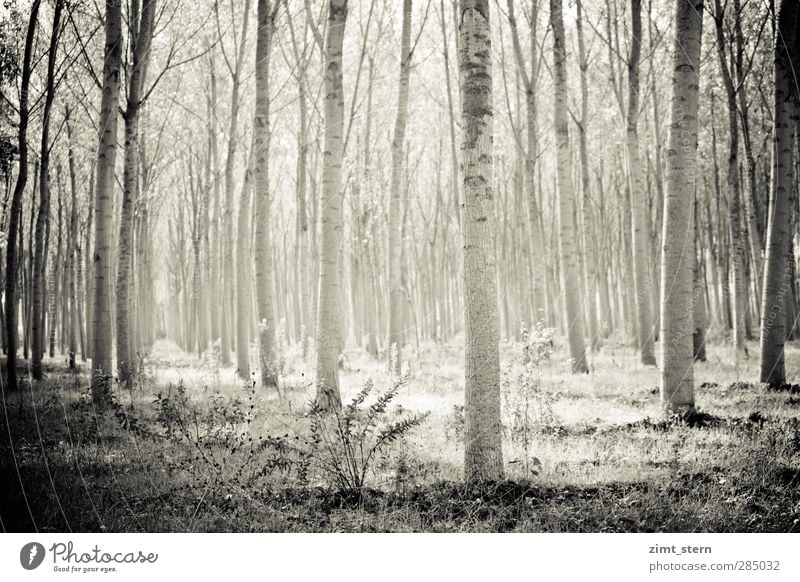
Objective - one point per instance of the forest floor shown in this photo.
(190, 448)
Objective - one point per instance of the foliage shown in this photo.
(526, 402)
(343, 445)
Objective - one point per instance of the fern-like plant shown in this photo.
(344, 444)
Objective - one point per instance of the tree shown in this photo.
(738, 228)
(641, 246)
(15, 211)
(243, 273)
(141, 33)
(483, 452)
(329, 310)
(263, 246)
(677, 251)
(225, 243)
(780, 258)
(397, 295)
(529, 79)
(43, 216)
(566, 201)
(102, 344)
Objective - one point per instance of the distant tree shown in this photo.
(140, 35)
(43, 215)
(641, 244)
(570, 271)
(397, 299)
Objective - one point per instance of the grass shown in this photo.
(192, 449)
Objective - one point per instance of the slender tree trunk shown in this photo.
(588, 230)
(570, 271)
(15, 210)
(104, 203)
(396, 292)
(226, 244)
(243, 275)
(141, 34)
(40, 252)
(263, 245)
(329, 303)
(73, 247)
(483, 454)
(777, 278)
(677, 256)
(738, 228)
(641, 243)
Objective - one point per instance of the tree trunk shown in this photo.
(243, 275)
(570, 272)
(641, 244)
(329, 302)
(102, 343)
(15, 210)
(777, 283)
(738, 229)
(263, 245)
(396, 331)
(677, 256)
(140, 47)
(590, 272)
(40, 252)
(483, 455)
(73, 248)
(225, 242)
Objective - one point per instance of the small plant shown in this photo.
(343, 445)
(526, 402)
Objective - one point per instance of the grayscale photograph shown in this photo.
(457, 266)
